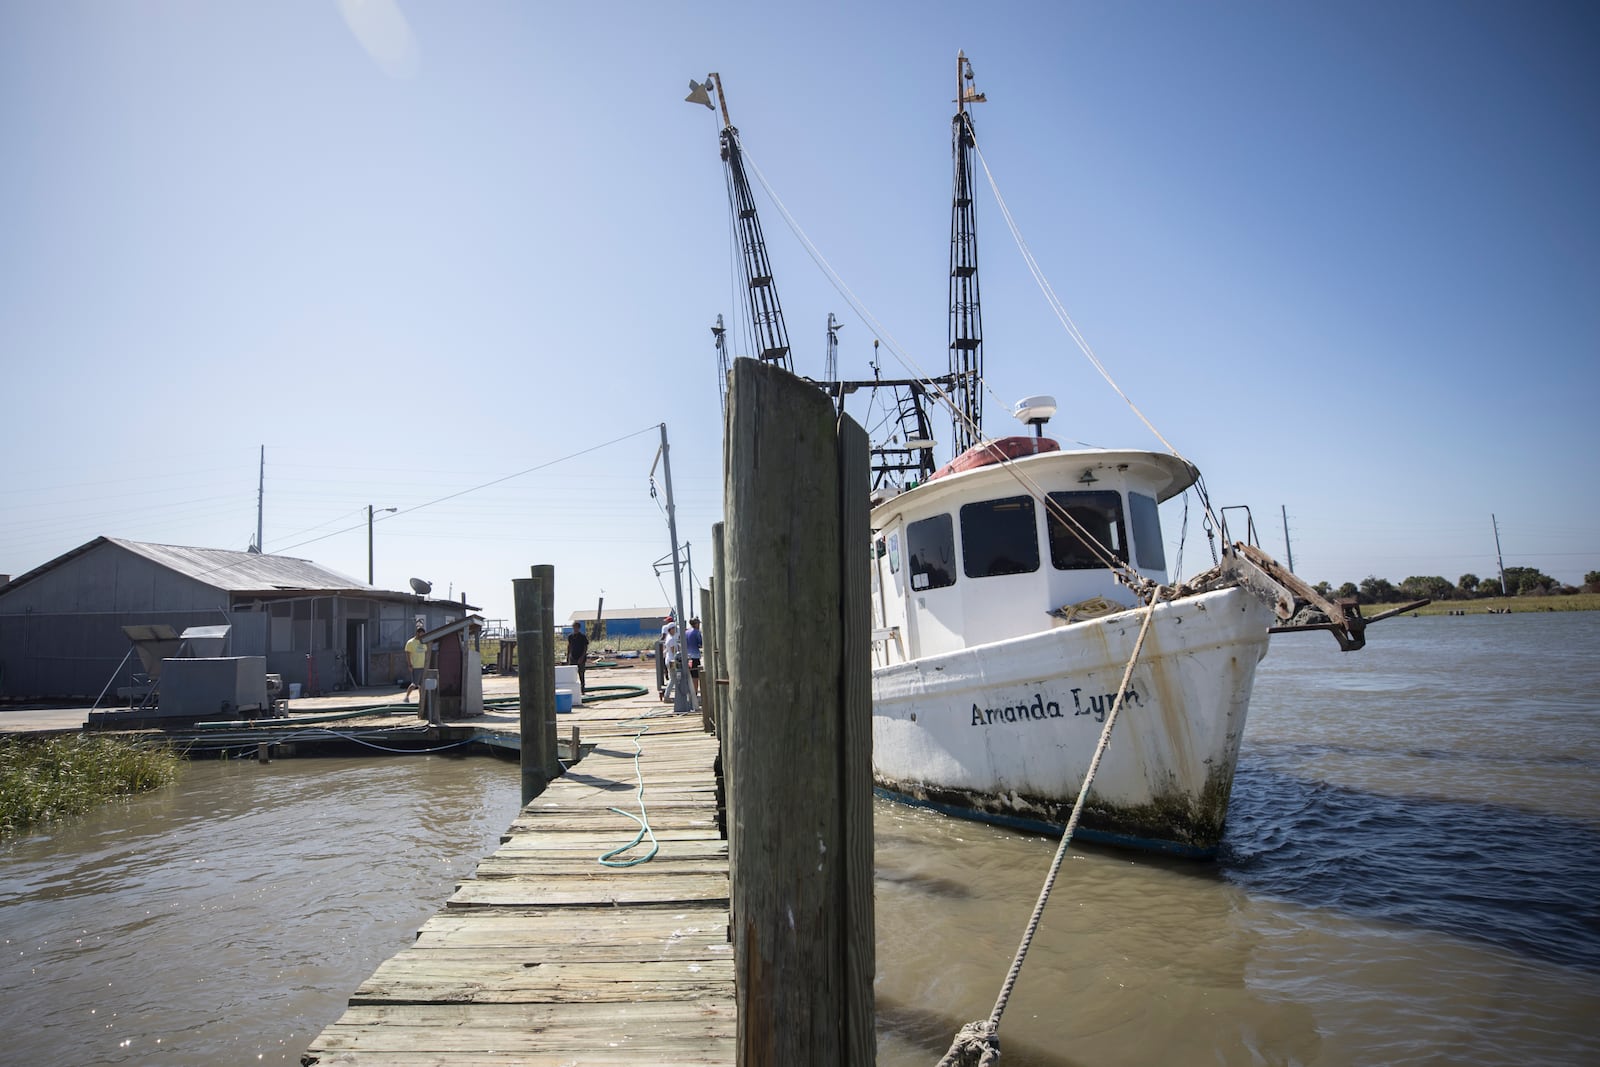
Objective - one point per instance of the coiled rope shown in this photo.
(978, 1043)
(643, 818)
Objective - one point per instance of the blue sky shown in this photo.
(1345, 257)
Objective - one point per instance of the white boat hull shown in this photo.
(1005, 731)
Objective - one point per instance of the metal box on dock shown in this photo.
(219, 686)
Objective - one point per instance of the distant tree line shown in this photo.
(1520, 581)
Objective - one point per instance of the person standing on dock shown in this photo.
(669, 658)
(578, 651)
(694, 647)
(417, 655)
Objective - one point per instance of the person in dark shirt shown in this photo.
(578, 651)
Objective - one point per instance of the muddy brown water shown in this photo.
(1409, 877)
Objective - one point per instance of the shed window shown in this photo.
(931, 544)
(1100, 514)
(1147, 532)
(999, 537)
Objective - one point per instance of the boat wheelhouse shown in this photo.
(974, 557)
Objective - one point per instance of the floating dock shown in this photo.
(546, 956)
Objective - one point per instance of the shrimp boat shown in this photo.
(1020, 592)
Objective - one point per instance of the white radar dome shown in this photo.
(1035, 409)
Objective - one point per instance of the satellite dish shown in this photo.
(420, 587)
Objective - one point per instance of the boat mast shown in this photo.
(966, 320)
(766, 314)
(908, 456)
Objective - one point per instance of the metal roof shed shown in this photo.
(61, 634)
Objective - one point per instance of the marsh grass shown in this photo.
(44, 780)
(1501, 605)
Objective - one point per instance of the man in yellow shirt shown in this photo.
(417, 653)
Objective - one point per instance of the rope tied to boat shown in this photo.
(982, 1039)
(975, 1046)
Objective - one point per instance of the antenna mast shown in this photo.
(830, 367)
(966, 320)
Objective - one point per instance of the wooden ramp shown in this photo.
(546, 957)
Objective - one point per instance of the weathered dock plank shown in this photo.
(545, 956)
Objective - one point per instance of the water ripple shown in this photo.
(1522, 880)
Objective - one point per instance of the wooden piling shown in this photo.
(719, 676)
(545, 575)
(536, 681)
(800, 851)
(708, 662)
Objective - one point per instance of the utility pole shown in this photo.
(1497, 557)
(688, 568)
(1287, 547)
(680, 701)
(261, 495)
(369, 538)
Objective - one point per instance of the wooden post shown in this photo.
(545, 575)
(720, 682)
(801, 860)
(707, 717)
(719, 586)
(855, 757)
(428, 697)
(535, 705)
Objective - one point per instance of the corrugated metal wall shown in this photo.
(73, 656)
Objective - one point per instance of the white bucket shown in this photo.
(294, 690)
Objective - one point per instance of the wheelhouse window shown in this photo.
(1147, 532)
(1099, 513)
(931, 544)
(999, 537)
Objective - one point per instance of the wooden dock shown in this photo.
(548, 957)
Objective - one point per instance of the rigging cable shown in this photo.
(867, 317)
(1066, 320)
(1130, 576)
